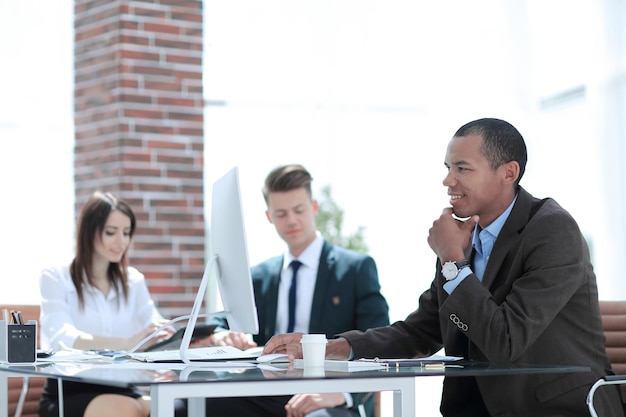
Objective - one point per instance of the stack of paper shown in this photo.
(346, 366)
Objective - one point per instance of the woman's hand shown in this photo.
(164, 333)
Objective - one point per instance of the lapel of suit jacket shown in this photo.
(325, 272)
(508, 236)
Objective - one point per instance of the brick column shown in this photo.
(139, 131)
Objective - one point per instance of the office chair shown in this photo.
(614, 326)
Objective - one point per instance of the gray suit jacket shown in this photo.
(537, 304)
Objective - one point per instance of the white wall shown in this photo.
(36, 143)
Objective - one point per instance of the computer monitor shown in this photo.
(229, 245)
(229, 259)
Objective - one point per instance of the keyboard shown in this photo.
(204, 354)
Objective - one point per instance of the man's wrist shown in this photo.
(451, 285)
(338, 348)
(451, 269)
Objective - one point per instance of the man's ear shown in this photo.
(269, 217)
(315, 207)
(511, 172)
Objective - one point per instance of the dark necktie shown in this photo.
(292, 295)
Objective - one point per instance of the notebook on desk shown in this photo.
(204, 354)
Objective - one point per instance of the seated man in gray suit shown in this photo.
(337, 290)
(513, 285)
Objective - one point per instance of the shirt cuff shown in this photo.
(450, 286)
(349, 401)
(351, 356)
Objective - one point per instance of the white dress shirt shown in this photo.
(63, 321)
(307, 275)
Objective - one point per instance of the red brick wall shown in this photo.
(139, 131)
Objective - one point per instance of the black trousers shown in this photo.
(78, 395)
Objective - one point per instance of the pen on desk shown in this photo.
(426, 365)
(20, 318)
(433, 366)
(13, 317)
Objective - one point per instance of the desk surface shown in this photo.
(170, 381)
(134, 373)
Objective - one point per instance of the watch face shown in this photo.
(449, 270)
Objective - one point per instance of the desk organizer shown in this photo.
(18, 342)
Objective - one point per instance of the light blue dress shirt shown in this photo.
(482, 242)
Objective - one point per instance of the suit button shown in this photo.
(457, 321)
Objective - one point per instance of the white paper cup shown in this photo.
(313, 350)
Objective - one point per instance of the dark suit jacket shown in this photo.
(346, 296)
(537, 304)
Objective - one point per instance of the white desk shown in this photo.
(163, 395)
(170, 381)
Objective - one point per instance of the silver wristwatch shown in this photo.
(450, 269)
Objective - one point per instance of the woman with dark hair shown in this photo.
(97, 302)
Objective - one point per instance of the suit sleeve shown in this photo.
(418, 335)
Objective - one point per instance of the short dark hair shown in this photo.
(502, 142)
(287, 178)
(91, 223)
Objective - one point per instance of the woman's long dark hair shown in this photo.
(91, 223)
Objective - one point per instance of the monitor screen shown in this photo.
(228, 245)
(229, 260)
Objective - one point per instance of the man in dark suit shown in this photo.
(336, 290)
(513, 285)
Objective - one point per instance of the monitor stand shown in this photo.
(195, 311)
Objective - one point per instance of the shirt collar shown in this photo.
(310, 256)
(496, 226)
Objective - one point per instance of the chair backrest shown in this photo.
(614, 325)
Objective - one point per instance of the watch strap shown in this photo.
(462, 264)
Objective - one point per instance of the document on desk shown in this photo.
(345, 366)
(74, 355)
(221, 365)
(432, 362)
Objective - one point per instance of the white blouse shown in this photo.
(62, 320)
